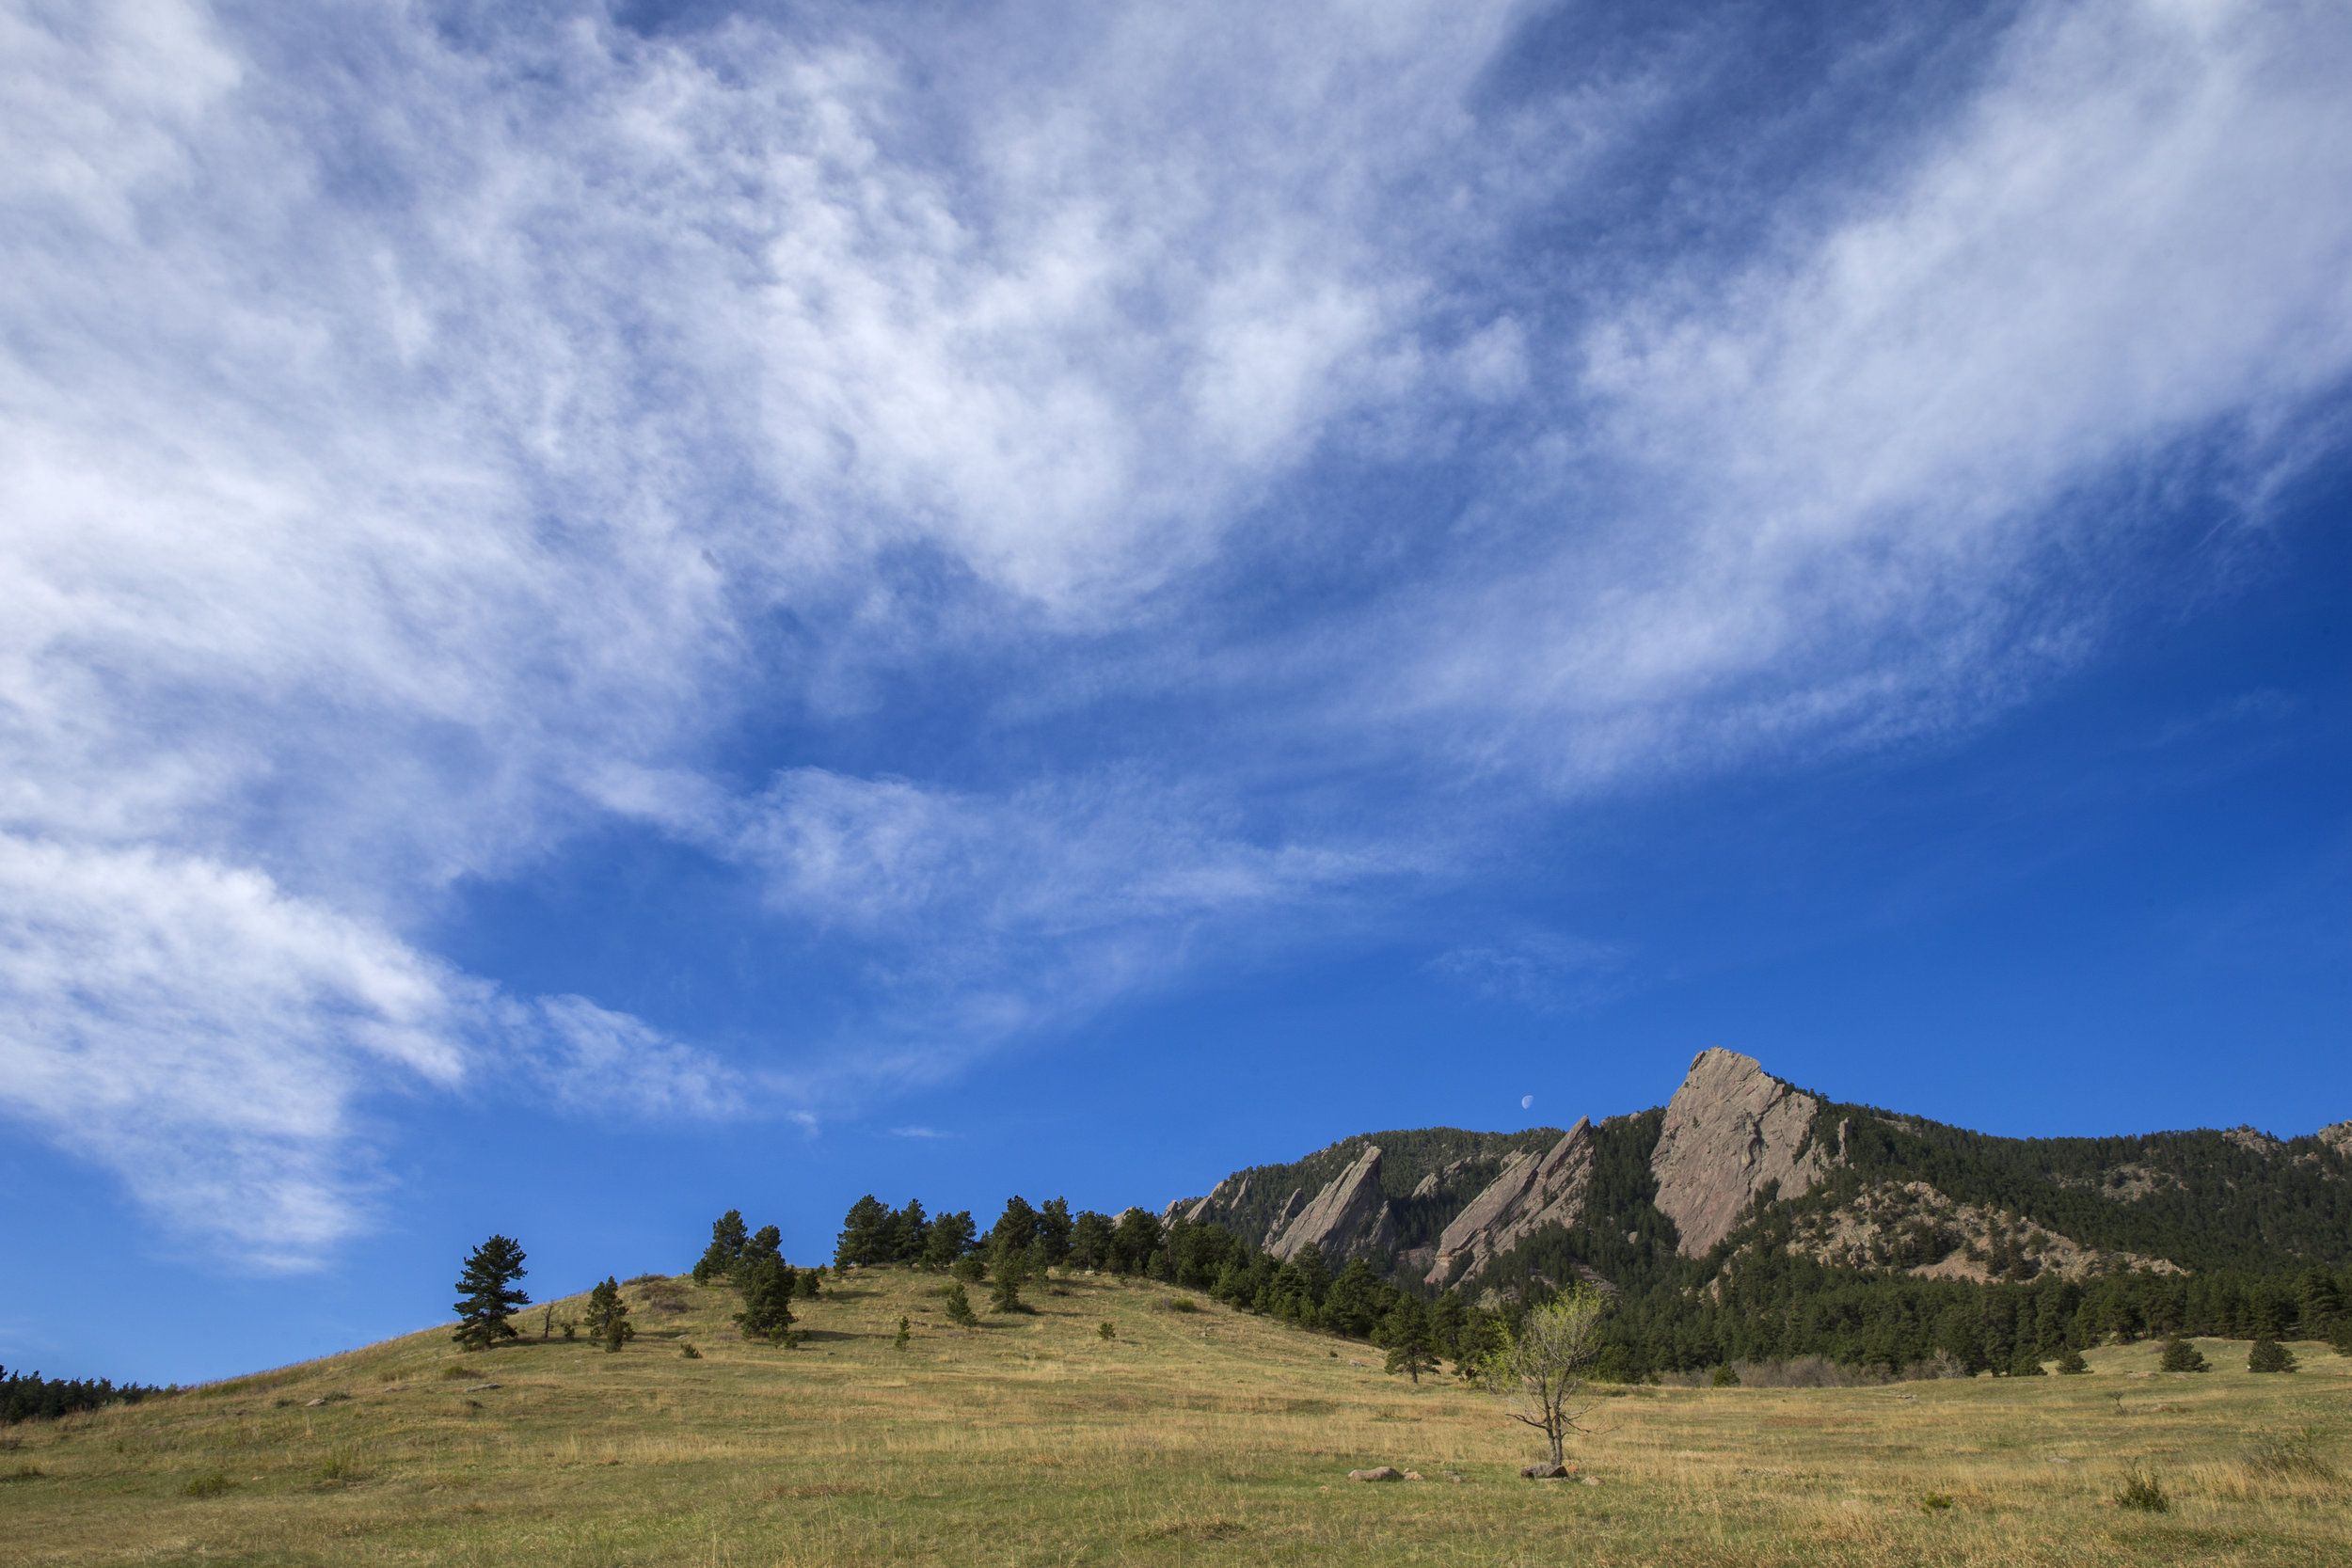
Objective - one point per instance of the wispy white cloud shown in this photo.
(1835, 490)
(410, 448)
(205, 1036)
(224, 1045)
(1544, 970)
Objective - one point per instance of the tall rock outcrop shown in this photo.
(1729, 1129)
(1350, 1217)
(1533, 1191)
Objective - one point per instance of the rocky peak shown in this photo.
(2253, 1140)
(1533, 1191)
(1350, 1217)
(2337, 1137)
(1729, 1129)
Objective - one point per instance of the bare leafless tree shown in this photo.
(1541, 1371)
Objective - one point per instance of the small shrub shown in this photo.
(2143, 1491)
(456, 1372)
(1724, 1377)
(2182, 1357)
(904, 1335)
(1935, 1503)
(1107, 1330)
(341, 1465)
(970, 1269)
(23, 1472)
(687, 1351)
(2268, 1355)
(960, 1307)
(1183, 1304)
(1057, 1290)
(645, 1278)
(208, 1486)
(2070, 1363)
(2287, 1456)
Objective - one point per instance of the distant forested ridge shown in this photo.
(29, 1396)
(1879, 1239)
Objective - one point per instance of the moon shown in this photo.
(1525, 1101)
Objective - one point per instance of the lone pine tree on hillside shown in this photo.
(2182, 1357)
(489, 1295)
(2268, 1355)
(607, 1315)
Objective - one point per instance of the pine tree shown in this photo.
(726, 1247)
(910, 1232)
(2070, 1363)
(607, 1315)
(1135, 1239)
(959, 1306)
(904, 1334)
(2182, 1357)
(766, 1243)
(2268, 1355)
(1410, 1340)
(1005, 1295)
(1354, 1305)
(949, 1238)
(1016, 1227)
(1053, 1226)
(865, 1238)
(490, 1297)
(768, 1286)
(1724, 1377)
(1090, 1240)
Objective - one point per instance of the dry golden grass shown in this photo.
(1192, 1438)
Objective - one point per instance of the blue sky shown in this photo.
(613, 613)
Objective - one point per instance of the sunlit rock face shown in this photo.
(1729, 1129)
(1349, 1218)
(1533, 1191)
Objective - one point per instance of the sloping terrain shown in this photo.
(1202, 1436)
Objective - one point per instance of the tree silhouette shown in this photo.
(489, 1295)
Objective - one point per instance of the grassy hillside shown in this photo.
(1192, 1437)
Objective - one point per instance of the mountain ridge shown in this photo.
(1737, 1152)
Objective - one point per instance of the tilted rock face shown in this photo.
(1282, 1218)
(1729, 1129)
(1349, 1218)
(2337, 1137)
(1533, 1191)
(1200, 1207)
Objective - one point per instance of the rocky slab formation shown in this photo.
(1533, 1191)
(2337, 1137)
(1729, 1129)
(1349, 1218)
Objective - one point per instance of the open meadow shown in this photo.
(1203, 1436)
